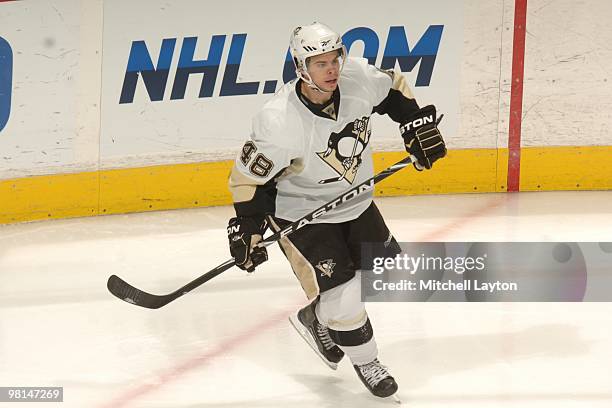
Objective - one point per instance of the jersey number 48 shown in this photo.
(261, 166)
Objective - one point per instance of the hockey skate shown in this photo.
(316, 335)
(376, 378)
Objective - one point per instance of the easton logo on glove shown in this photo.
(417, 123)
(422, 138)
(244, 233)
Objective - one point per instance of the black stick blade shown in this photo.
(130, 294)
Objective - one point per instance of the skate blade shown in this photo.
(396, 399)
(293, 319)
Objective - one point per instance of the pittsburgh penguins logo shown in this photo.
(344, 150)
(326, 267)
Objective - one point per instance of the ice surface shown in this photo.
(229, 344)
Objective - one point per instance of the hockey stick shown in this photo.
(130, 294)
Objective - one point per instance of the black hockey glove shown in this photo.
(244, 233)
(422, 138)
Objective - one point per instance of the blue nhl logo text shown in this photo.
(397, 51)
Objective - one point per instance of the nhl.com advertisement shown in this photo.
(172, 81)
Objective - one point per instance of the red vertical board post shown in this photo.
(516, 95)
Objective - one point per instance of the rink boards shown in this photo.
(103, 111)
(205, 184)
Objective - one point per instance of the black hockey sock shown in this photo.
(358, 344)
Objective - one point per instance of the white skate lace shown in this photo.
(374, 372)
(323, 335)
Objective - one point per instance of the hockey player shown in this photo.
(309, 143)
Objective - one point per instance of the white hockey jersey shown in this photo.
(301, 160)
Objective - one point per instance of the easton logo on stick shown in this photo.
(349, 195)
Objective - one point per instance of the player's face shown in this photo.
(324, 70)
